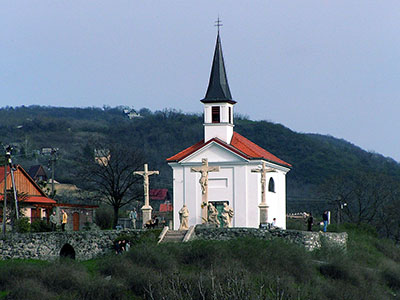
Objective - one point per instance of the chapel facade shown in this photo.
(238, 181)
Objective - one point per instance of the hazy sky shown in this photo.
(330, 67)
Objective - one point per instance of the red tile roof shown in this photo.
(39, 199)
(34, 199)
(239, 144)
(253, 150)
(164, 207)
(158, 194)
(2, 173)
(179, 156)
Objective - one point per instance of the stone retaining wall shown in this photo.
(310, 240)
(48, 245)
(90, 244)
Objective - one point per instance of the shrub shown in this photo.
(104, 217)
(40, 226)
(388, 248)
(334, 271)
(22, 225)
(30, 289)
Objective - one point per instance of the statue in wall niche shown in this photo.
(227, 215)
(184, 218)
(213, 215)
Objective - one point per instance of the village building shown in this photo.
(244, 173)
(159, 198)
(36, 205)
(38, 173)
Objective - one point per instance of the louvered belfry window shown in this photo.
(215, 114)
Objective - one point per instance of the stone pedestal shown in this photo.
(146, 211)
(263, 213)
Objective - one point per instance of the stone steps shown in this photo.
(174, 236)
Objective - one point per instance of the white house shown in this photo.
(236, 156)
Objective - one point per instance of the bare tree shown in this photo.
(107, 171)
(364, 195)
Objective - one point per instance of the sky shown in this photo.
(328, 67)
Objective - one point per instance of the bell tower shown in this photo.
(218, 103)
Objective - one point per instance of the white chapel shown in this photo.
(239, 182)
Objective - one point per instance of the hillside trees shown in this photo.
(109, 174)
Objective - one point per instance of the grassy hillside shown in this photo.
(236, 269)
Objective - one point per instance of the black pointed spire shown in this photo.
(218, 88)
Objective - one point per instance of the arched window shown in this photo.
(271, 185)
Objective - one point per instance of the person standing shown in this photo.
(325, 219)
(53, 221)
(310, 222)
(133, 217)
(64, 219)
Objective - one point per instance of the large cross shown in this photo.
(146, 209)
(204, 170)
(263, 205)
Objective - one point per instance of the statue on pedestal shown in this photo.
(184, 218)
(227, 215)
(213, 215)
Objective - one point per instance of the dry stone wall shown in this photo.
(309, 240)
(90, 244)
(49, 245)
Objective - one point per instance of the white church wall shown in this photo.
(214, 153)
(215, 130)
(253, 196)
(239, 204)
(234, 183)
(177, 199)
(220, 185)
(277, 200)
(192, 195)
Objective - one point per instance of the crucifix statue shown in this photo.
(204, 169)
(146, 209)
(263, 205)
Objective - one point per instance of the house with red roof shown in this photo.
(160, 200)
(235, 183)
(35, 203)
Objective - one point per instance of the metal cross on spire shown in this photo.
(218, 23)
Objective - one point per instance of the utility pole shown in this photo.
(53, 160)
(6, 163)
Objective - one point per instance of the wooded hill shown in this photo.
(315, 158)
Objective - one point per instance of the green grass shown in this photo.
(243, 268)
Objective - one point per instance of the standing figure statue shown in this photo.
(133, 217)
(213, 215)
(227, 215)
(184, 218)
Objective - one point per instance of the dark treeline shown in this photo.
(316, 159)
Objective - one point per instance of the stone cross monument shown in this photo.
(146, 209)
(204, 169)
(263, 205)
